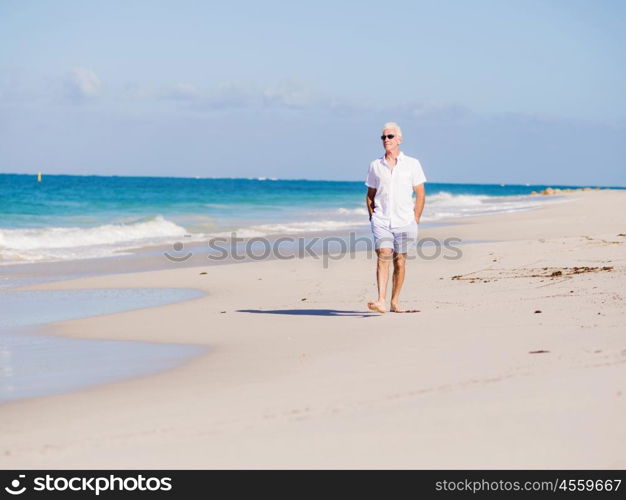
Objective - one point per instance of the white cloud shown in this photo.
(183, 92)
(286, 94)
(245, 94)
(136, 92)
(234, 94)
(291, 94)
(83, 83)
(445, 112)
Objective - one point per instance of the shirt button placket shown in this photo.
(391, 196)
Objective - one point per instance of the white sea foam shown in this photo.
(445, 198)
(340, 213)
(348, 211)
(63, 243)
(69, 237)
(444, 205)
(59, 243)
(239, 233)
(306, 227)
(440, 205)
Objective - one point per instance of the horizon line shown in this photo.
(273, 179)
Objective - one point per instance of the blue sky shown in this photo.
(486, 91)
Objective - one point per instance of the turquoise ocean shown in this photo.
(70, 217)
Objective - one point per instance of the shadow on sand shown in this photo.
(313, 312)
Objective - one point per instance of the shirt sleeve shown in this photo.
(418, 174)
(372, 179)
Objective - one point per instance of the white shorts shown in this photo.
(400, 239)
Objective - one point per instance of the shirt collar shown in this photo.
(400, 157)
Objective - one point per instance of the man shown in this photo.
(394, 216)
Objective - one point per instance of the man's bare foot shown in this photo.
(396, 309)
(376, 306)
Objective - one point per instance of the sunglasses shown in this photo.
(388, 136)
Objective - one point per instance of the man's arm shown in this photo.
(420, 199)
(369, 200)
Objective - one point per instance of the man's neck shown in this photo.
(391, 157)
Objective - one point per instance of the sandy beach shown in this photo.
(517, 359)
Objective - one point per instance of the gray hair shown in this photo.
(394, 126)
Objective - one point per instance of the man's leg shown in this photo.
(382, 277)
(403, 240)
(399, 266)
(383, 241)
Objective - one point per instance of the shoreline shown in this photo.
(301, 375)
(28, 344)
(152, 257)
(116, 237)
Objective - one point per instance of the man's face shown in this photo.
(391, 144)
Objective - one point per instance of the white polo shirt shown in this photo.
(393, 204)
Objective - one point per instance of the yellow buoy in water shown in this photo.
(39, 177)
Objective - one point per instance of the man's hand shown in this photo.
(369, 201)
(420, 199)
